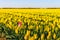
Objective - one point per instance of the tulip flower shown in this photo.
(19, 24)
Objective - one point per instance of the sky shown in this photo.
(30, 3)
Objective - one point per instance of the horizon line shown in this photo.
(29, 8)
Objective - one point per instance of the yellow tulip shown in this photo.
(49, 35)
(46, 28)
(27, 35)
(42, 37)
(37, 28)
(16, 30)
(54, 36)
(35, 36)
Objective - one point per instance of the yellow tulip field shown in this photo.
(30, 24)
